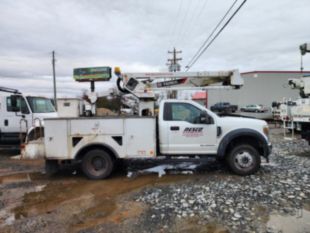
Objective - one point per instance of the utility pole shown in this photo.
(54, 79)
(174, 66)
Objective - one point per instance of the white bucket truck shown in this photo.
(295, 114)
(182, 128)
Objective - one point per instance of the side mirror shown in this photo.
(205, 118)
(14, 106)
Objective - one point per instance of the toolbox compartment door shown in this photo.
(140, 137)
(56, 139)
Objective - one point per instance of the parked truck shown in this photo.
(295, 114)
(224, 107)
(299, 112)
(19, 113)
(182, 128)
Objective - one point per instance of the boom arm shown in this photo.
(9, 90)
(142, 85)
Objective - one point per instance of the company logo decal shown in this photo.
(171, 82)
(193, 132)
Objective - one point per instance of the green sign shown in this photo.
(92, 74)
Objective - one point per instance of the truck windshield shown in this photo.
(40, 104)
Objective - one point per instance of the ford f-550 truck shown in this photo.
(182, 128)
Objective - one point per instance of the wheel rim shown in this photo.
(244, 160)
(96, 165)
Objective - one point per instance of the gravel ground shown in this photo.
(210, 200)
(240, 204)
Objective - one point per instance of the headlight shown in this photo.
(266, 131)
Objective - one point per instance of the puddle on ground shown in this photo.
(16, 178)
(91, 201)
(299, 222)
(20, 178)
(191, 225)
(11, 195)
(163, 169)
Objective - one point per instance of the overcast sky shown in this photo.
(136, 35)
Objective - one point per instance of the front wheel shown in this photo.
(97, 164)
(244, 160)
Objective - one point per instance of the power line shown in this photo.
(211, 34)
(176, 21)
(198, 16)
(191, 20)
(187, 9)
(202, 8)
(217, 34)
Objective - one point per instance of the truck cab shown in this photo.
(186, 127)
(18, 113)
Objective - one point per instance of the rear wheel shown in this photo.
(244, 160)
(97, 164)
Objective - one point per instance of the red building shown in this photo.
(201, 97)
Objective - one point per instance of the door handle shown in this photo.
(6, 122)
(174, 128)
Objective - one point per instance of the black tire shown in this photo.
(97, 164)
(244, 160)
